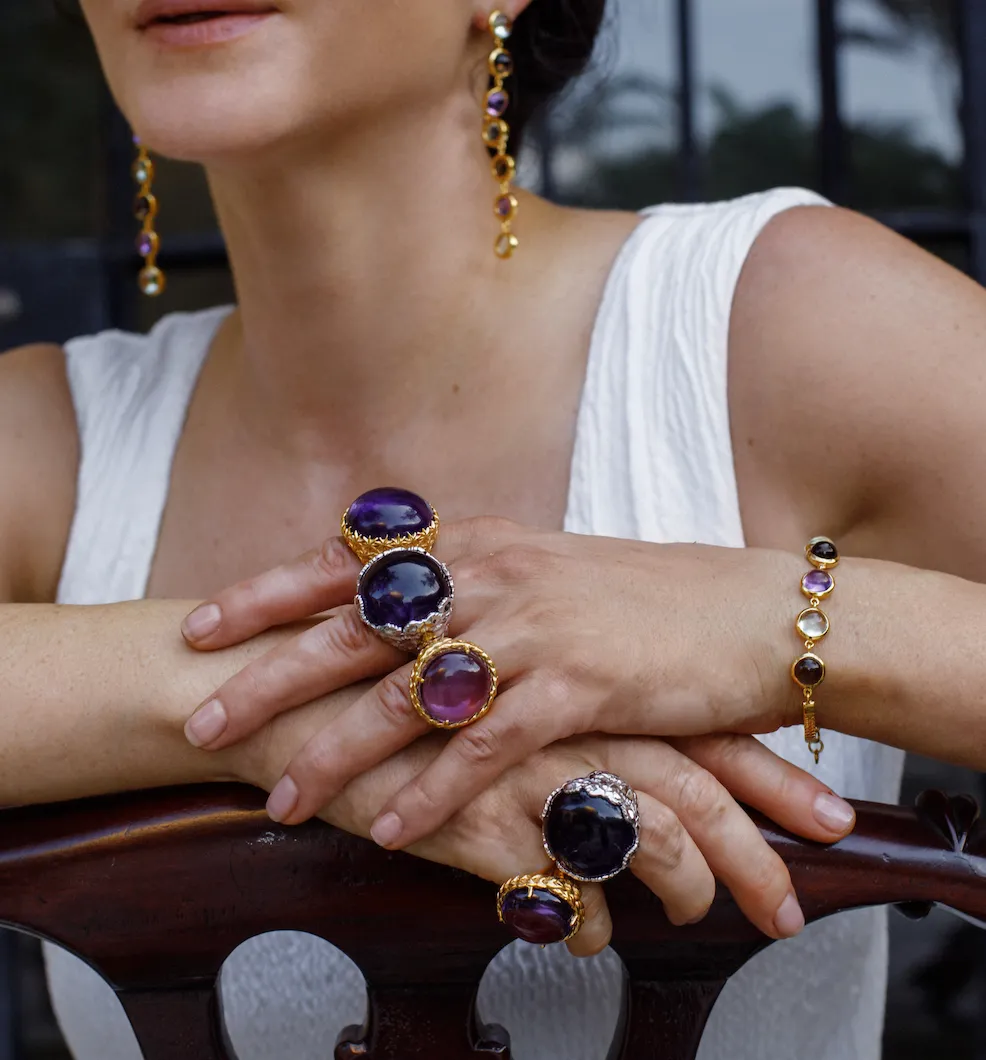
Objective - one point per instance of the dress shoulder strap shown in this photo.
(653, 456)
(131, 396)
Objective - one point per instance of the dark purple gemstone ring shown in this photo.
(541, 909)
(591, 827)
(387, 518)
(405, 596)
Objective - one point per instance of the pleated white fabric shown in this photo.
(653, 461)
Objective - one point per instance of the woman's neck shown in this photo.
(366, 273)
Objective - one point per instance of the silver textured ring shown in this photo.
(591, 827)
(405, 596)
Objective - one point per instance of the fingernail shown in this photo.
(387, 830)
(282, 799)
(834, 813)
(202, 622)
(208, 723)
(789, 921)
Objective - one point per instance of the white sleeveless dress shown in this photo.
(652, 461)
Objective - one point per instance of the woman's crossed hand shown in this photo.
(589, 635)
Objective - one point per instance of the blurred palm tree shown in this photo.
(910, 22)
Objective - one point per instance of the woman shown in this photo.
(580, 385)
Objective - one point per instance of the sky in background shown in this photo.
(764, 50)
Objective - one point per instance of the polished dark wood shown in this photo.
(155, 889)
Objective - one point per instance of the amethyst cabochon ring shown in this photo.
(453, 684)
(388, 518)
(405, 596)
(541, 909)
(591, 827)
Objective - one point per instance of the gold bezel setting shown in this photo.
(435, 650)
(808, 655)
(368, 548)
(818, 561)
(567, 890)
(816, 594)
(805, 634)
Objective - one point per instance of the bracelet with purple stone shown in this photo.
(812, 625)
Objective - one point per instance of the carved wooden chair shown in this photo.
(156, 889)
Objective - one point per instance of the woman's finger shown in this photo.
(728, 839)
(330, 655)
(670, 863)
(762, 779)
(317, 581)
(379, 724)
(527, 717)
(499, 837)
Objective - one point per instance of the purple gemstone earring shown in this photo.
(496, 134)
(151, 280)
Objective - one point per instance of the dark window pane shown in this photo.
(901, 99)
(50, 147)
(757, 113)
(612, 141)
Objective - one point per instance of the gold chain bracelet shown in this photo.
(812, 625)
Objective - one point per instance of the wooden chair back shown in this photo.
(155, 889)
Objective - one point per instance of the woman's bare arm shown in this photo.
(94, 700)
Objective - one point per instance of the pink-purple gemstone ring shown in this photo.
(453, 684)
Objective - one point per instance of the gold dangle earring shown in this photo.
(496, 134)
(151, 280)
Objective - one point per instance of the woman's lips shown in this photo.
(204, 27)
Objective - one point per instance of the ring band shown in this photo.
(453, 684)
(541, 909)
(591, 827)
(387, 518)
(405, 596)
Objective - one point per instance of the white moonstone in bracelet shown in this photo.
(813, 624)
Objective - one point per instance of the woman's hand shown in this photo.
(692, 830)
(588, 634)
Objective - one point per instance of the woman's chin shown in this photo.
(199, 127)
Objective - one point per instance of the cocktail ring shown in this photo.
(405, 596)
(591, 827)
(453, 684)
(388, 518)
(541, 909)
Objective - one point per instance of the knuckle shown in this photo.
(332, 559)
(554, 688)
(700, 797)
(251, 687)
(478, 745)
(728, 749)
(666, 839)
(315, 767)
(767, 874)
(395, 700)
(485, 528)
(418, 795)
(343, 633)
(516, 564)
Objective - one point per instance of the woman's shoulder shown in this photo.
(39, 454)
(722, 231)
(175, 337)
